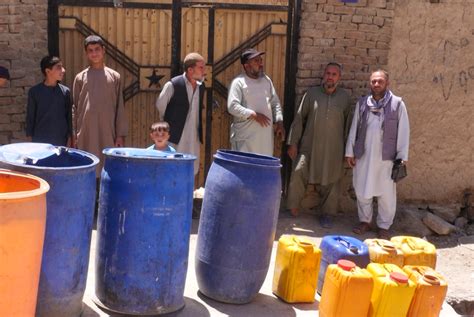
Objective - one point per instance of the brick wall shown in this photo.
(23, 42)
(356, 35)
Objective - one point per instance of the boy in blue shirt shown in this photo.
(48, 113)
(160, 134)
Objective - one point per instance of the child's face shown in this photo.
(56, 72)
(160, 137)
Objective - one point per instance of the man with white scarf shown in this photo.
(379, 134)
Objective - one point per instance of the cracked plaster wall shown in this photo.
(431, 63)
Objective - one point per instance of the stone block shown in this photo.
(15, 28)
(378, 3)
(10, 126)
(437, 224)
(18, 117)
(346, 19)
(368, 19)
(385, 13)
(355, 35)
(365, 44)
(344, 10)
(461, 222)
(347, 26)
(4, 118)
(356, 51)
(448, 213)
(408, 219)
(376, 52)
(334, 18)
(366, 11)
(4, 138)
(328, 9)
(368, 28)
(383, 45)
(357, 18)
(379, 21)
(344, 42)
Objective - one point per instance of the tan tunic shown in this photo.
(319, 127)
(98, 111)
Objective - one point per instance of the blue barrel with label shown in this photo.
(143, 230)
(335, 247)
(70, 214)
(237, 225)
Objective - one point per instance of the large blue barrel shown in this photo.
(237, 225)
(70, 213)
(143, 229)
(335, 247)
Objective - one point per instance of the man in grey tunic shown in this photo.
(379, 134)
(255, 107)
(316, 144)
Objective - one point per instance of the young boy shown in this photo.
(99, 116)
(160, 133)
(48, 112)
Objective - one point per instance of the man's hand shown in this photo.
(351, 161)
(69, 142)
(261, 119)
(119, 141)
(280, 130)
(292, 151)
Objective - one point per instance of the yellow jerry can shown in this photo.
(416, 251)
(392, 293)
(384, 251)
(431, 289)
(296, 269)
(346, 291)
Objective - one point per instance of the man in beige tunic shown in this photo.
(99, 118)
(316, 144)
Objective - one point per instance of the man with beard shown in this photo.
(180, 104)
(255, 107)
(379, 134)
(316, 144)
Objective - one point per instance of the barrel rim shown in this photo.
(260, 160)
(109, 152)
(95, 161)
(43, 187)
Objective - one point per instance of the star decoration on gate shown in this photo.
(154, 79)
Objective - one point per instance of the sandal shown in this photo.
(361, 228)
(383, 234)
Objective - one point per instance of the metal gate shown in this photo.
(147, 40)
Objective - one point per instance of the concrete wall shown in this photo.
(432, 66)
(23, 42)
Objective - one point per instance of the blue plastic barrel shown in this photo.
(143, 229)
(237, 225)
(70, 213)
(335, 247)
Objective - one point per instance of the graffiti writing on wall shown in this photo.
(452, 50)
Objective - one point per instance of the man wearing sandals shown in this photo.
(316, 144)
(379, 134)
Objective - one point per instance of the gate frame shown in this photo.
(293, 31)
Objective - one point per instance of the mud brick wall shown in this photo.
(23, 42)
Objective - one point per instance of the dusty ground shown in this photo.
(454, 261)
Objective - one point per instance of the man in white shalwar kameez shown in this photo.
(379, 134)
(255, 107)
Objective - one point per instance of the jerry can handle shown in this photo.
(347, 244)
(303, 244)
(386, 247)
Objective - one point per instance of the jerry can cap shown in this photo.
(346, 265)
(399, 277)
(431, 279)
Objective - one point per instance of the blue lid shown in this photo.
(129, 152)
(45, 156)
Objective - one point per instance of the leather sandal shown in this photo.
(361, 228)
(383, 234)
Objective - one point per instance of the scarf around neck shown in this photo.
(377, 106)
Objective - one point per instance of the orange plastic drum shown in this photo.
(22, 225)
